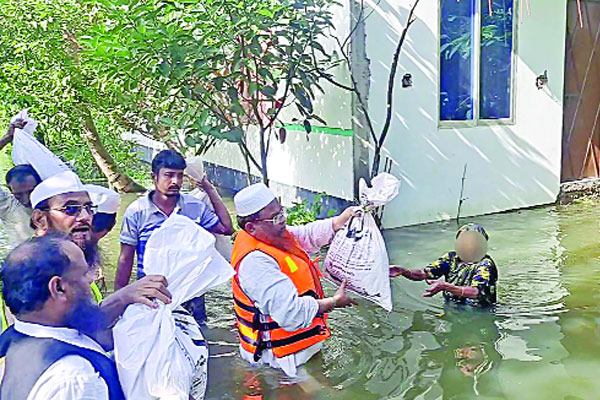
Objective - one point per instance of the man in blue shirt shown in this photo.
(149, 212)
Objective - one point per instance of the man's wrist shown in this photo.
(207, 186)
(335, 302)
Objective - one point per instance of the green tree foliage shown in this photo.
(195, 72)
(302, 213)
(40, 69)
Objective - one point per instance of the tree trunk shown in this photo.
(248, 168)
(116, 179)
(360, 68)
(263, 157)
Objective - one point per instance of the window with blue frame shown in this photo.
(476, 60)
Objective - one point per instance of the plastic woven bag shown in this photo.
(357, 253)
(161, 354)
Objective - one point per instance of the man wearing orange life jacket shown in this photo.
(278, 299)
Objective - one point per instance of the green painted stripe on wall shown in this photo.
(321, 129)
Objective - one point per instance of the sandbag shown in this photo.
(160, 353)
(357, 253)
(28, 150)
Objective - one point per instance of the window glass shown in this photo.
(496, 59)
(456, 63)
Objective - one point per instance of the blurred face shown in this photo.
(72, 215)
(168, 181)
(471, 246)
(271, 223)
(22, 188)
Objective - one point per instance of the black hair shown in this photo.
(41, 206)
(168, 159)
(28, 269)
(103, 222)
(21, 172)
(242, 221)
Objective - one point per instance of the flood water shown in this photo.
(541, 342)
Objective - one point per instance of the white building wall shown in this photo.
(324, 162)
(508, 166)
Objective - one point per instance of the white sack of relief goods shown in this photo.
(160, 353)
(28, 150)
(195, 167)
(357, 253)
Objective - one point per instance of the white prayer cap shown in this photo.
(107, 200)
(252, 199)
(65, 182)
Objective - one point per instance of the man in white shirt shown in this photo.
(278, 300)
(62, 204)
(51, 352)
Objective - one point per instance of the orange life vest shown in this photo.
(304, 273)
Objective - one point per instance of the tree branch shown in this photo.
(392, 77)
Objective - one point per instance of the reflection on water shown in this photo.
(541, 341)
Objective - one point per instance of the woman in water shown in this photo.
(470, 274)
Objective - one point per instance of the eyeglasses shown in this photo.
(278, 219)
(73, 210)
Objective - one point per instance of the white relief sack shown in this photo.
(222, 242)
(357, 253)
(195, 167)
(28, 150)
(160, 353)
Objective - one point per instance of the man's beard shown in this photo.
(86, 317)
(91, 252)
(284, 242)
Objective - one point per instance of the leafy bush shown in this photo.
(302, 213)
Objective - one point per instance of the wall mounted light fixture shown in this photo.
(407, 80)
(542, 80)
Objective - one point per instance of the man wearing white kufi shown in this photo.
(278, 298)
(62, 204)
(108, 202)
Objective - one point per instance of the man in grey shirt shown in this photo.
(149, 212)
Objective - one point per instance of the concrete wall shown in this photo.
(508, 166)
